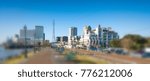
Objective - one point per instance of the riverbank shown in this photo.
(9, 53)
(17, 59)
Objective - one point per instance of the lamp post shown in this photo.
(25, 33)
(34, 44)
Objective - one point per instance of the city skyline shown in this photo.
(125, 16)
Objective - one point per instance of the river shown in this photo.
(6, 53)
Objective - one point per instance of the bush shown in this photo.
(70, 56)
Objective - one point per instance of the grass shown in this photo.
(17, 59)
(83, 58)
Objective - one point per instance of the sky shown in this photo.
(124, 16)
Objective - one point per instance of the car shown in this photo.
(107, 51)
(120, 51)
(146, 55)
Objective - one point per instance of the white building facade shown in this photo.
(98, 38)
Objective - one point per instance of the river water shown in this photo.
(6, 53)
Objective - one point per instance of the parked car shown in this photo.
(121, 51)
(146, 55)
(106, 51)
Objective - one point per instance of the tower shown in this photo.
(53, 37)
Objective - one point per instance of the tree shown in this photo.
(115, 43)
(126, 43)
(148, 42)
(133, 42)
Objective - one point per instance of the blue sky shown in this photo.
(124, 16)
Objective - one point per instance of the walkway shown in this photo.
(46, 56)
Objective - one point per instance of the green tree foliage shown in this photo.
(131, 42)
(115, 43)
(148, 42)
(136, 42)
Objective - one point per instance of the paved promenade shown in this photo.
(46, 56)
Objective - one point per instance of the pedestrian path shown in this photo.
(45, 56)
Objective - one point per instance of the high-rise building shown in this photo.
(39, 32)
(32, 35)
(72, 38)
(29, 33)
(72, 31)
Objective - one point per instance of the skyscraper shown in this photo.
(72, 37)
(27, 34)
(72, 31)
(32, 35)
(39, 32)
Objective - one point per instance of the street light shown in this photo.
(34, 44)
(25, 32)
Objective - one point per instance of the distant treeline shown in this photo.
(131, 42)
